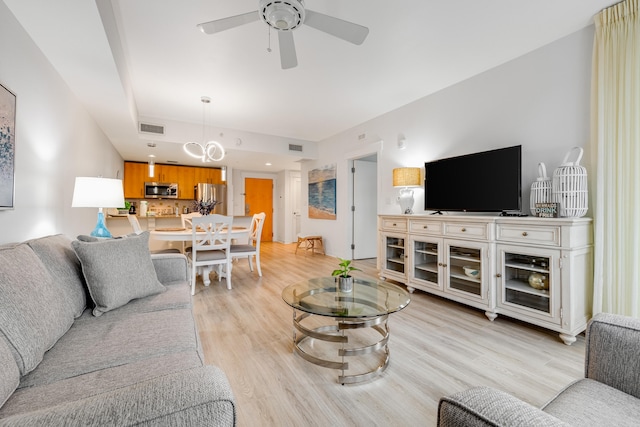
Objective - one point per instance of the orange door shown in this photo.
(259, 198)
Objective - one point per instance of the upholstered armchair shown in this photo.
(609, 395)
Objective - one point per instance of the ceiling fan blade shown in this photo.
(344, 30)
(218, 25)
(288, 58)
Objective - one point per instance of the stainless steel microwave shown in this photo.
(160, 190)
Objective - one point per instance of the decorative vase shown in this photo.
(345, 284)
(538, 281)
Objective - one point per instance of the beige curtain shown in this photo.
(616, 133)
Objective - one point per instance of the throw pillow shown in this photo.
(33, 312)
(117, 271)
(56, 254)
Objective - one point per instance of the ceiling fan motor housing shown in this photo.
(283, 15)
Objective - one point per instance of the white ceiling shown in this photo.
(132, 60)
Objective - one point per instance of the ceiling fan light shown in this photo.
(282, 15)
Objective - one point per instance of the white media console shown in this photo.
(538, 270)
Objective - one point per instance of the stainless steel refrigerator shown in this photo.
(208, 192)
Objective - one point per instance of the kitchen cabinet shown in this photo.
(166, 173)
(538, 270)
(136, 174)
(208, 176)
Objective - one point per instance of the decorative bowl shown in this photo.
(538, 281)
(471, 271)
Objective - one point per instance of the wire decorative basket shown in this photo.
(540, 189)
(569, 186)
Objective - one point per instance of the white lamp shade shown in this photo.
(90, 192)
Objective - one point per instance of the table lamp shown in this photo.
(405, 178)
(100, 193)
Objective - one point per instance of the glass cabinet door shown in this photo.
(465, 269)
(426, 262)
(529, 281)
(394, 254)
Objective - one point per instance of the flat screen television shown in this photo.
(489, 181)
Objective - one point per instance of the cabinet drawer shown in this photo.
(529, 234)
(425, 227)
(469, 230)
(394, 224)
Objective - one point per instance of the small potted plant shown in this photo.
(345, 281)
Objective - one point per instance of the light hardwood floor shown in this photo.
(437, 347)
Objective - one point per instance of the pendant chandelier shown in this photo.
(212, 151)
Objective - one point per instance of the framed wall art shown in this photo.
(7, 147)
(322, 193)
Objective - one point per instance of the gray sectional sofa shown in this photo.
(609, 395)
(102, 333)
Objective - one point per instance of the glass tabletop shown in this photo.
(368, 298)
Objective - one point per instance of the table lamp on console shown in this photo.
(406, 178)
(90, 192)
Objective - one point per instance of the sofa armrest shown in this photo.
(170, 268)
(485, 406)
(200, 396)
(612, 349)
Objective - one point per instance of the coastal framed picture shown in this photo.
(322, 193)
(7, 147)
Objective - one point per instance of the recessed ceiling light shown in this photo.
(267, 164)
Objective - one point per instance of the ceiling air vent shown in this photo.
(295, 147)
(149, 128)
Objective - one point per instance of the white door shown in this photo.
(365, 210)
(295, 203)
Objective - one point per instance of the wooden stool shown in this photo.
(310, 243)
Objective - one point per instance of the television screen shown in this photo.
(489, 181)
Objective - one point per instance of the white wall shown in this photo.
(540, 101)
(56, 140)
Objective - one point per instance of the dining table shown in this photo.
(180, 234)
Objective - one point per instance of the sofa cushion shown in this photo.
(590, 403)
(58, 256)
(115, 339)
(117, 271)
(9, 372)
(33, 313)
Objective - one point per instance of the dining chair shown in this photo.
(135, 224)
(252, 248)
(186, 218)
(186, 224)
(137, 229)
(210, 241)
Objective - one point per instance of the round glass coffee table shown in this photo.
(367, 305)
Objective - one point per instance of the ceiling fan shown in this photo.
(285, 16)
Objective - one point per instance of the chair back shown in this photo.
(135, 224)
(255, 229)
(210, 232)
(186, 219)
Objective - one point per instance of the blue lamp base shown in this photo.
(101, 227)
